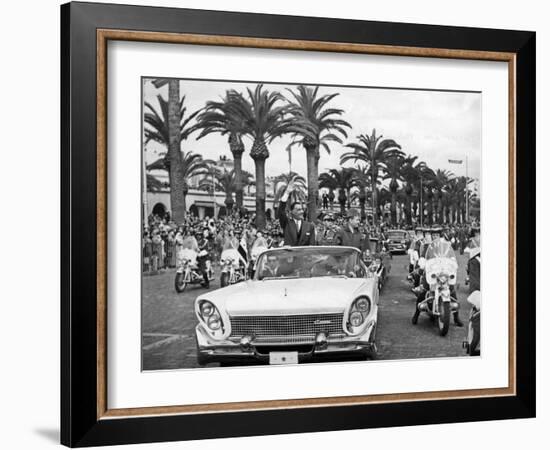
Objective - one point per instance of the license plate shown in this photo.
(283, 357)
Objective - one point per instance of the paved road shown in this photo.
(168, 322)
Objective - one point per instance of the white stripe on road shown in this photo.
(167, 340)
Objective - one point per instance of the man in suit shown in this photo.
(297, 231)
(350, 235)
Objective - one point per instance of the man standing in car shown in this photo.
(297, 231)
(350, 235)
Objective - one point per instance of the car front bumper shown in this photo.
(393, 247)
(229, 351)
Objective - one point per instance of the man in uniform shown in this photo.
(414, 249)
(420, 291)
(474, 263)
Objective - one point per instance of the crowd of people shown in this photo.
(162, 236)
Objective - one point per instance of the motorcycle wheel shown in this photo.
(444, 317)
(224, 279)
(179, 284)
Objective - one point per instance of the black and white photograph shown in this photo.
(292, 223)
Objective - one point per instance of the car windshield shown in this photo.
(397, 234)
(309, 262)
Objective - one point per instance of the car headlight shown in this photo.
(210, 315)
(356, 319)
(362, 304)
(207, 309)
(359, 311)
(214, 322)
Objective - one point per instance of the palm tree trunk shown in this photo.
(312, 160)
(407, 208)
(393, 210)
(237, 149)
(228, 202)
(239, 195)
(177, 178)
(374, 200)
(342, 200)
(185, 192)
(362, 201)
(259, 163)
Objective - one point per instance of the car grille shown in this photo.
(291, 328)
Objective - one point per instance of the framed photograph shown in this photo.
(273, 224)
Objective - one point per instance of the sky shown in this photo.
(435, 126)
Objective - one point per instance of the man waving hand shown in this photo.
(297, 231)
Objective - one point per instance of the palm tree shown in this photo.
(392, 172)
(374, 151)
(425, 193)
(223, 181)
(217, 117)
(361, 176)
(154, 184)
(338, 179)
(191, 165)
(438, 183)
(384, 196)
(318, 126)
(411, 174)
(280, 183)
(170, 128)
(457, 188)
(263, 119)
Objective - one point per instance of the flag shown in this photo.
(455, 161)
(243, 251)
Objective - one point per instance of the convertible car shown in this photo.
(303, 304)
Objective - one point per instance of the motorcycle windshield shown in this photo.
(230, 244)
(190, 243)
(440, 249)
(259, 246)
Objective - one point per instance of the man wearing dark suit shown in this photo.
(297, 231)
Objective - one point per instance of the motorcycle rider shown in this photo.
(474, 262)
(205, 245)
(423, 288)
(414, 251)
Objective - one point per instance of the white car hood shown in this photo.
(294, 296)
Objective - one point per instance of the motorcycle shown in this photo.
(472, 342)
(188, 270)
(233, 266)
(440, 271)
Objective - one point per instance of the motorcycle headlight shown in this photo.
(442, 278)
